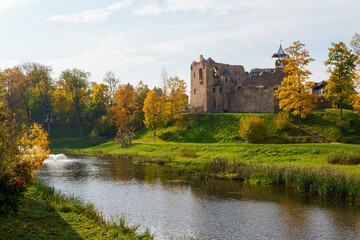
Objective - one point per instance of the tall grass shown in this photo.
(344, 158)
(324, 182)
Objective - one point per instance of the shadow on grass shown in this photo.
(36, 221)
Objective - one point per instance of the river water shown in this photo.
(173, 205)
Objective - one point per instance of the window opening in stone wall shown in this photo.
(200, 74)
(215, 72)
(220, 90)
(213, 90)
(194, 91)
(194, 73)
(226, 79)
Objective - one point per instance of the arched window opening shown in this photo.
(220, 90)
(194, 91)
(200, 74)
(213, 90)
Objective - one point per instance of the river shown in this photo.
(173, 205)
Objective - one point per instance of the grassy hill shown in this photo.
(327, 122)
(223, 127)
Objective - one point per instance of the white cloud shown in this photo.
(90, 16)
(9, 4)
(148, 9)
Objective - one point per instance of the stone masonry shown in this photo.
(217, 87)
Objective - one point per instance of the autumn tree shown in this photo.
(154, 111)
(99, 101)
(340, 85)
(76, 82)
(294, 94)
(141, 91)
(62, 101)
(22, 151)
(123, 108)
(112, 81)
(176, 99)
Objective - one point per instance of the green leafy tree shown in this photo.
(252, 129)
(42, 91)
(341, 84)
(294, 94)
(77, 84)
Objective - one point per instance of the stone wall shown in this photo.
(253, 99)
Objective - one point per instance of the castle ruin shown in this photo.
(217, 87)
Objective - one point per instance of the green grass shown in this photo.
(51, 215)
(327, 122)
(289, 154)
(223, 128)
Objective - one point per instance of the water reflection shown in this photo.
(173, 205)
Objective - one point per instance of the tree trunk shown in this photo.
(299, 121)
(79, 119)
(47, 118)
(154, 136)
(341, 113)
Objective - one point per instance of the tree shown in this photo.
(112, 82)
(138, 117)
(99, 101)
(123, 108)
(355, 99)
(294, 94)
(340, 85)
(42, 90)
(62, 101)
(175, 98)
(11, 79)
(76, 82)
(163, 77)
(22, 151)
(154, 111)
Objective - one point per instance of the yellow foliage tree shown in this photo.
(154, 111)
(62, 104)
(175, 98)
(21, 153)
(294, 94)
(123, 107)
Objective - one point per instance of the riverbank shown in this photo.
(301, 167)
(51, 215)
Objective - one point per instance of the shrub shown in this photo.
(344, 158)
(283, 121)
(252, 129)
(187, 153)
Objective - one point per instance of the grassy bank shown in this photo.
(51, 215)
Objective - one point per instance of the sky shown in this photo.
(136, 39)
